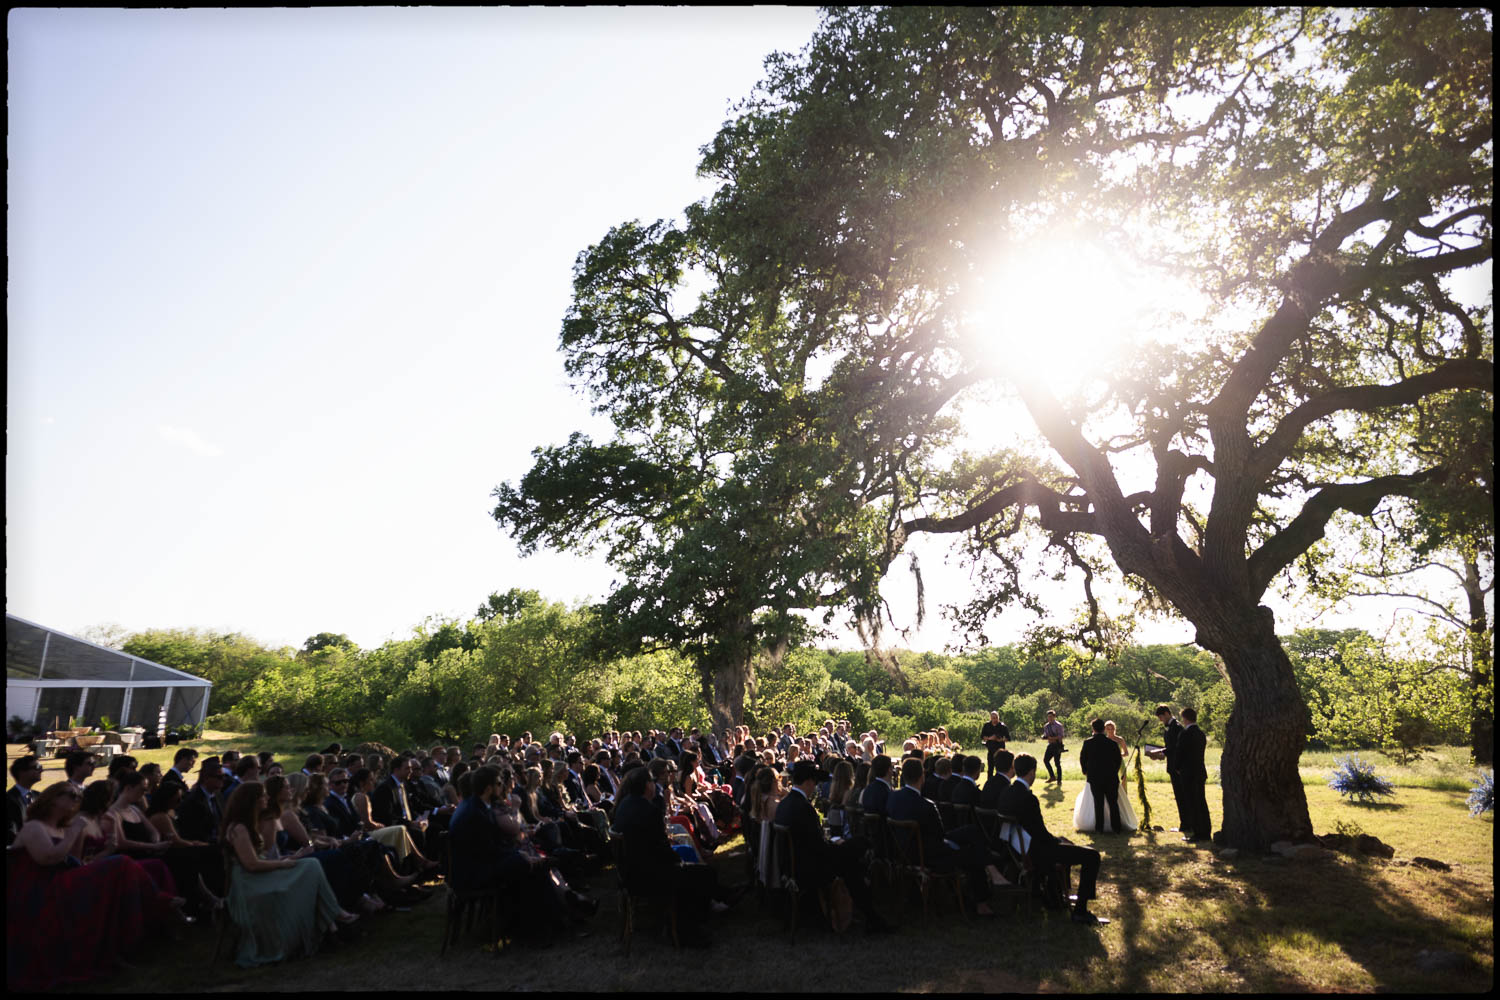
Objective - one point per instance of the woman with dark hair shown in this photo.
(72, 924)
(191, 866)
(282, 906)
(152, 774)
(102, 834)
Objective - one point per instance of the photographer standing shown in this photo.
(1052, 732)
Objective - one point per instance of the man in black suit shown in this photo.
(963, 848)
(1191, 749)
(818, 861)
(337, 803)
(994, 734)
(944, 772)
(182, 765)
(1005, 769)
(878, 792)
(1100, 759)
(198, 814)
(1171, 738)
(966, 785)
(389, 804)
(651, 867)
(1045, 850)
(27, 771)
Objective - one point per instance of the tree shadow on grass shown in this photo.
(1280, 925)
(1380, 806)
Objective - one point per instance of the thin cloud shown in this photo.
(190, 440)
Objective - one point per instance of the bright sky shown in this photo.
(285, 291)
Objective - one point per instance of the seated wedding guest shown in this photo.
(650, 867)
(485, 856)
(941, 788)
(391, 806)
(198, 814)
(856, 794)
(72, 924)
(687, 804)
(182, 765)
(819, 862)
(838, 790)
(282, 906)
(593, 789)
(119, 764)
(337, 803)
(247, 768)
(1045, 849)
(350, 868)
(963, 848)
(965, 788)
(765, 796)
(152, 773)
(878, 791)
(192, 866)
(161, 813)
(78, 766)
(26, 771)
(1004, 763)
(589, 825)
(395, 836)
(229, 764)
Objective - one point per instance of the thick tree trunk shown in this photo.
(1481, 668)
(1263, 797)
(724, 684)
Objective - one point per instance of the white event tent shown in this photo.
(51, 676)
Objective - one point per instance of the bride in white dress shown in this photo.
(1083, 807)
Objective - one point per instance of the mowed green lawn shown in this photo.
(1183, 920)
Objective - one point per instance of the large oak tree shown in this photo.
(783, 367)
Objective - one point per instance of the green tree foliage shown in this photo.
(230, 660)
(1322, 174)
(1370, 698)
(792, 692)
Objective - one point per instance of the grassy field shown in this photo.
(1183, 920)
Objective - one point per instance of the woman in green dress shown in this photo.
(280, 906)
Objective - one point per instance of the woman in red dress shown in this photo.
(69, 922)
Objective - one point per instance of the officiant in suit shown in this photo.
(1100, 759)
(1191, 750)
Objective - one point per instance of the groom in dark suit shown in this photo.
(1100, 759)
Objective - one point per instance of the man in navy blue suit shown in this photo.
(878, 791)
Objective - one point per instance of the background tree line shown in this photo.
(525, 663)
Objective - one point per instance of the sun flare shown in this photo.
(1059, 310)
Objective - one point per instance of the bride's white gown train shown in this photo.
(1083, 808)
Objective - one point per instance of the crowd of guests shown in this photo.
(291, 853)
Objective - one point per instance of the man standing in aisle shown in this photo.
(1052, 732)
(994, 734)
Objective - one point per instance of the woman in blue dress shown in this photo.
(281, 906)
